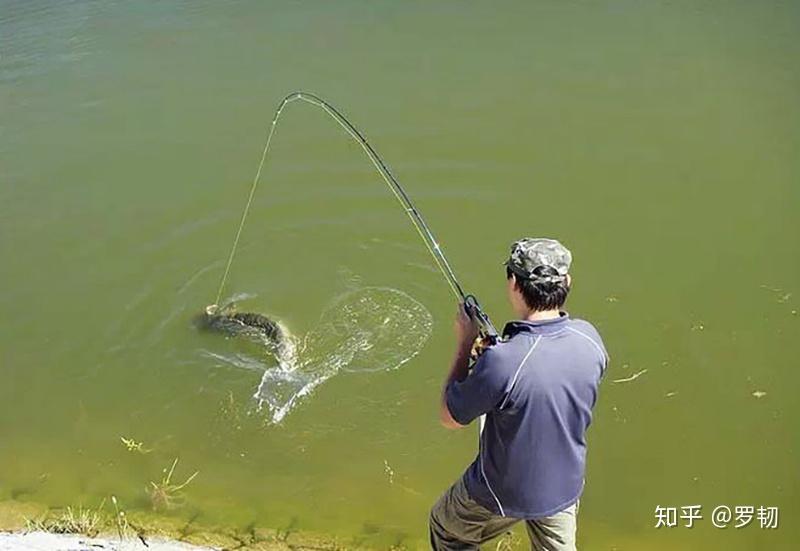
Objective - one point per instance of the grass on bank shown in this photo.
(69, 521)
(149, 526)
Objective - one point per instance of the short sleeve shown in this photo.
(480, 392)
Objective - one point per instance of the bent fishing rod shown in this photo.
(487, 331)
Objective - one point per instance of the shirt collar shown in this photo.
(536, 327)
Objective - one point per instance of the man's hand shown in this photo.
(479, 347)
(465, 327)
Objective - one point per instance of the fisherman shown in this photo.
(536, 388)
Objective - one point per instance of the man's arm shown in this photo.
(458, 372)
(466, 333)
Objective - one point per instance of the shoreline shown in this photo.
(47, 541)
(21, 523)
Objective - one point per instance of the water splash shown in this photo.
(365, 329)
(368, 329)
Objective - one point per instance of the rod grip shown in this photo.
(485, 327)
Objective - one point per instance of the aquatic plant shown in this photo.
(70, 521)
(133, 445)
(120, 519)
(165, 494)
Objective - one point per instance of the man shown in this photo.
(536, 388)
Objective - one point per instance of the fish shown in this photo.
(253, 326)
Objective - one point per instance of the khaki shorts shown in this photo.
(457, 522)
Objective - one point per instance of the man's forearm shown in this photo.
(458, 372)
(459, 369)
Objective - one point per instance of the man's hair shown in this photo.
(541, 295)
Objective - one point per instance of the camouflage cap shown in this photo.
(529, 253)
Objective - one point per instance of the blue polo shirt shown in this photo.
(537, 388)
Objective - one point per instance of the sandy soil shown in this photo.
(42, 541)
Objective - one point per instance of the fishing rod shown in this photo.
(487, 331)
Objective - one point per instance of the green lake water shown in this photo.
(658, 140)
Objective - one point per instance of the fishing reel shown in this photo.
(487, 334)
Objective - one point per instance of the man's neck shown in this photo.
(541, 315)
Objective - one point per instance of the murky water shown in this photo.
(658, 140)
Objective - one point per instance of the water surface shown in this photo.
(657, 139)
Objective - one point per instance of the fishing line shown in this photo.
(471, 305)
(419, 223)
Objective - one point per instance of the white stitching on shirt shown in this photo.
(486, 479)
(513, 381)
(516, 374)
(597, 346)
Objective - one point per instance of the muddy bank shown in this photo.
(43, 541)
(20, 524)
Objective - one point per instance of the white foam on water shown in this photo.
(242, 361)
(364, 330)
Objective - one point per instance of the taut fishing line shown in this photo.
(380, 165)
(375, 326)
(473, 308)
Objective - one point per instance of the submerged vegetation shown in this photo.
(134, 446)
(165, 495)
